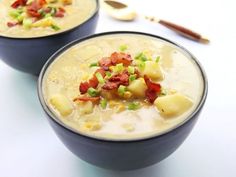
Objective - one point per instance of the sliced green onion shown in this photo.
(53, 11)
(55, 27)
(141, 65)
(47, 15)
(27, 23)
(14, 13)
(133, 106)
(123, 48)
(92, 92)
(93, 64)
(141, 56)
(100, 78)
(132, 77)
(21, 17)
(103, 103)
(121, 90)
(119, 67)
(131, 69)
(108, 74)
(158, 59)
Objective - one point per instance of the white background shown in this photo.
(29, 147)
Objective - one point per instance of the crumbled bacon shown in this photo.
(110, 85)
(124, 58)
(105, 62)
(12, 24)
(33, 8)
(151, 85)
(85, 98)
(83, 87)
(153, 89)
(18, 3)
(61, 9)
(59, 14)
(101, 71)
(115, 81)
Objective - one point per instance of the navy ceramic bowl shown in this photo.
(30, 54)
(122, 154)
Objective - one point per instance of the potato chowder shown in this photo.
(122, 86)
(35, 18)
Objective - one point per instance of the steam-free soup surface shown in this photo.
(164, 87)
(35, 18)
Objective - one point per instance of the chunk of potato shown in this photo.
(138, 87)
(152, 69)
(45, 22)
(86, 107)
(173, 105)
(92, 125)
(62, 104)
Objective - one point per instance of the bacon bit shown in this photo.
(18, 3)
(85, 98)
(47, 10)
(84, 86)
(93, 82)
(153, 89)
(33, 8)
(101, 71)
(124, 58)
(12, 24)
(151, 95)
(59, 14)
(61, 9)
(122, 78)
(42, 2)
(151, 85)
(110, 85)
(105, 62)
(115, 81)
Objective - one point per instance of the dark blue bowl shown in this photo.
(122, 154)
(30, 54)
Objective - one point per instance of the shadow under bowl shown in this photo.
(122, 154)
(30, 54)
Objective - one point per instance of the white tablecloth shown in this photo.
(29, 147)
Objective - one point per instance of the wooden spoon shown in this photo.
(121, 11)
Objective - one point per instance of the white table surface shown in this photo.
(29, 147)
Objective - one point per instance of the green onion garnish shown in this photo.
(108, 74)
(55, 27)
(131, 69)
(100, 78)
(119, 67)
(133, 106)
(141, 65)
(27, 23)
(141, 56)
(132, 77)
(14, 13)
(158, 59)
(121, 90)
(123, 48)
(92, 92)
(103, 103)
(93, 64)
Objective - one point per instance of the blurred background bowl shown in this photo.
(30, 54)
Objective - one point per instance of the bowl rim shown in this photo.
(59, 33)
(54, 118)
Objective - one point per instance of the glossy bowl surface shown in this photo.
(122, 154)
(30, 54)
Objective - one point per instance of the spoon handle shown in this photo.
(181, 30)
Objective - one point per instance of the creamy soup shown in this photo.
(35, 18)
(122, 86)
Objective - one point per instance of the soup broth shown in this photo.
(164, 86)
